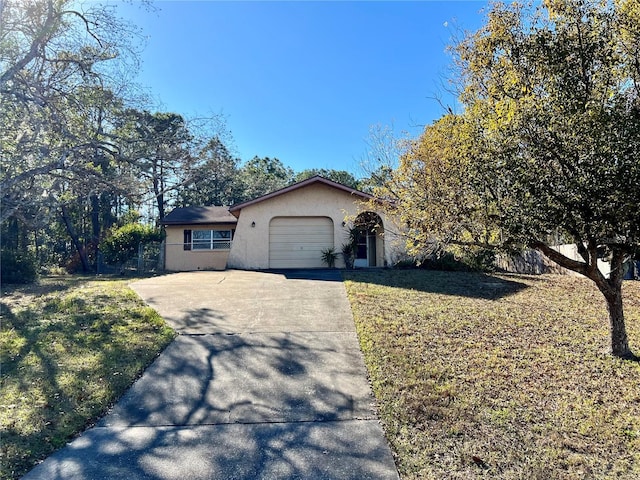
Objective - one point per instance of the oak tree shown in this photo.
(547, 143)
(63, 76)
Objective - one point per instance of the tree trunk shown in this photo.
(158, 190)
(159, 203)
(619, 340)
(95, 218)
(610, 287)
(74, 239)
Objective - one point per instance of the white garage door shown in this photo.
(297, 242)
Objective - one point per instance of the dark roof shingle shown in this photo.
(199, 216)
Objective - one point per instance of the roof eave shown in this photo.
(296, 186)
(201, 222)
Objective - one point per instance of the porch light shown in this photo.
(253, 224)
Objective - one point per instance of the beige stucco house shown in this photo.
(288, 228)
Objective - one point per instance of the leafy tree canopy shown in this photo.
(260, 176)
(215, 181)
(340, 176)
(548, 143)
(159, 147)
(63, 77)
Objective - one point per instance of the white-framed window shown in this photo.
(211, 239)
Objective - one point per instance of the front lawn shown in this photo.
(500, 377)
(69, 347)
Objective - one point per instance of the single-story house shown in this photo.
(288, 228)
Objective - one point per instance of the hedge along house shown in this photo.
(288, 228)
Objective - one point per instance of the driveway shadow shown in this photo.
(269, 382)
(250, 406)
(322, 274)
(349, 450)
(249, 378)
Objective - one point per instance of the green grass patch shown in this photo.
(69, 348)
(501, 376)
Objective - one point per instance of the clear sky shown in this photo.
(303, 81)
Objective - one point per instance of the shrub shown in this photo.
(122, 243)
(406, 263)
(348, 255)
(329, 257)
(445, 261)
(17, 267)
(480, 259)
(468, 260)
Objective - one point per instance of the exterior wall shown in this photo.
(380, 259)
(250, 249)
(394, 244)
(177, 259)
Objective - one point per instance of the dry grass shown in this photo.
(501, 377)
(69, 347)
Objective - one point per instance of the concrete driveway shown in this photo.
(265, 380)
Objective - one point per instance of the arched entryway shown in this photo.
(369, 243)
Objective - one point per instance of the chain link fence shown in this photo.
(149, 259)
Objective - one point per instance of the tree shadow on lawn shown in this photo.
(59, 372)
(463, 284)
(45, 285)
(48, 284)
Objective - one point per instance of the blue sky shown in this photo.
(303, 81)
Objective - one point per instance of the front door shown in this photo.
(365, 250)
(371, 249)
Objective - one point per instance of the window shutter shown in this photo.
(187, 240)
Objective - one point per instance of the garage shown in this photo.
(297, 242)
